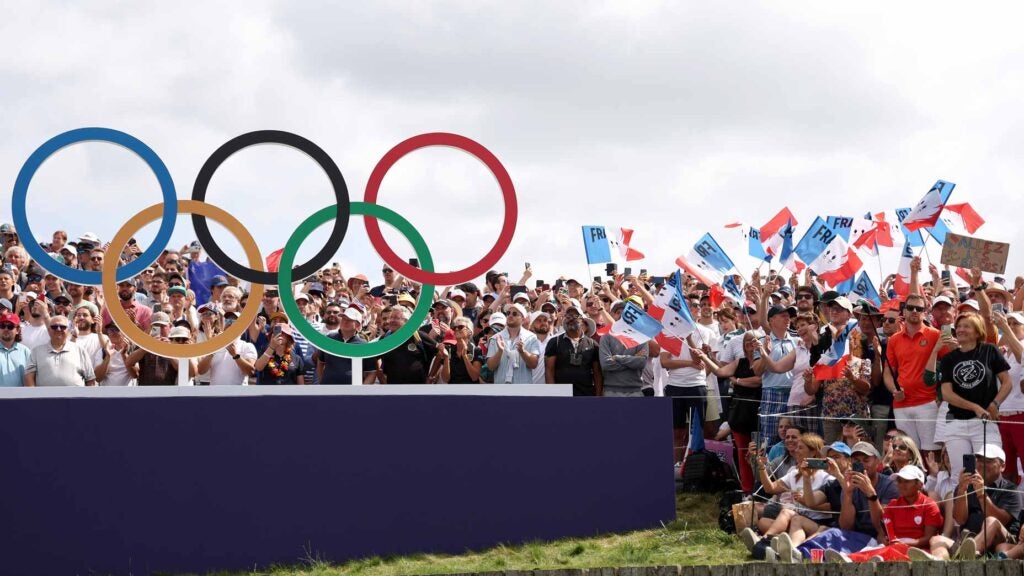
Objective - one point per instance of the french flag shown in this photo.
(771, 238)
(669, 308)
(634, 327)
(962, 218)
(707, 261)
(274, 260)
(789, 258)
(833, 362)
(929, 209)
(604, 244)
(837, 264)
(902, 282)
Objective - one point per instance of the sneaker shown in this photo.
(798, 558)
(770, 555)
(967, 550)
(749, 538)
(836, 556)
(918, 555)
(785, 548)
(774, 544)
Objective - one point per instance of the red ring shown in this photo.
(508, 193)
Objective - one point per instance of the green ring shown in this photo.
(336, 347)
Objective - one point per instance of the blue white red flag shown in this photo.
(634, 327)
(927, 212)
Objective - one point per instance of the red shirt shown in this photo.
(909, 519)
(907, 356)
(141, 313)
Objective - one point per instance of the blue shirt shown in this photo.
(780, 347)
(12, 364)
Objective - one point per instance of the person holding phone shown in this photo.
(281, 362)
(975, 382)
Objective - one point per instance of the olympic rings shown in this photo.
(508, 193)
(337, 347)
(342, 208)
(28, 170)
(167, 349)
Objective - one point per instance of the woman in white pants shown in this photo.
(975, 381)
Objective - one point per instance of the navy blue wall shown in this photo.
(137, 485)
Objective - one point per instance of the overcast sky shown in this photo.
(673, 119)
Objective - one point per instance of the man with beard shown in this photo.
(77, 294)
(408, 363)
(59, 362)
(513, 353)
(440, 321)
(622, 367)
(540, 325)
(140, 314)
(331, 369)
(14, 355)
(34, 330)
(231, 304)
(86, 333)
(806, 299)
(332, 317)
(572, 358)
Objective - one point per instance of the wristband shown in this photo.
(981, 286)
(996, 402)
(873, 498)
(236, 356)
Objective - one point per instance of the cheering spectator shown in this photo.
(513, 353)
(280, 363)
(114, 369)
(333, 369)
(975, 381)
(86, 333)
(687, 381)
(1011, 411)
(15, 354)
(408, 363)
(540, 325)
(59, 362)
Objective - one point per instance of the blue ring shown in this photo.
(90, 277)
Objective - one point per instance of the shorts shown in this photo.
(684, 400)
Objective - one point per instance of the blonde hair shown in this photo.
(977, 323)
(813, 442)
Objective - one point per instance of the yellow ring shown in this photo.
(167, 349)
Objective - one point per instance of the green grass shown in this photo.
(693, 538)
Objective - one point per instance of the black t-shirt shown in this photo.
(973, 375)
(459, 372)
(408, 364)
(291, 375)
(574, 365)
(338, 370)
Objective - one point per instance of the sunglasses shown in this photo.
(900, 447)
(387, 270)
(270, 294)
(58, 327)
(148, 271)
(805, 297)
(890, 438)
(891, 320)
(175, 261)
(8, 326)
(179, 340)
(514, 313)
(912, 308)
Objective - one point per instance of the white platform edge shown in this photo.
(537, 390)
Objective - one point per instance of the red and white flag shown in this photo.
(837, 263)
(902, 283)
(771, 237)
(274, 259)
(695, 265)
(961, 218)
(927, 211)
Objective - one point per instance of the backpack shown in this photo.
(705, 472)
(726, 522)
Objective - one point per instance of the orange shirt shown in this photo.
(907, 357)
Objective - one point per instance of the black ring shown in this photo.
(299, 143)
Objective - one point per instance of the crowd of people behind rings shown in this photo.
(910, 446)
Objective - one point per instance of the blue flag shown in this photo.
(713, 254)
(754, 246)
(840, 225)
(815, 240)
(595, 242)
(864, 288)
(787, 242)
(913, 238)
(938, 231)
(199, 276)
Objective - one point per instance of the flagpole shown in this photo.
(881, 273)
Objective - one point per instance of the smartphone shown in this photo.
(527, 265)
(545, 287)
(947, 331)
(414, 262)
(516, 289)
(540, 283)
(998, 307)
(598, 279)
(945, 275)
(817, 463)
(643, 271)
(628, 270)
(610, 269)
(154, 331)
(559, 283)
(970, 464)
(658, 280)
(753, 439)
(277, 330)
(858, 467)
(336, 265)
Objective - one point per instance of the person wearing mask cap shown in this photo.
(984, 504)
(59, 362)
(14, 356)
(622, 367)
(333, 369)
(572, 358)
(217, 285)
(513, 353)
